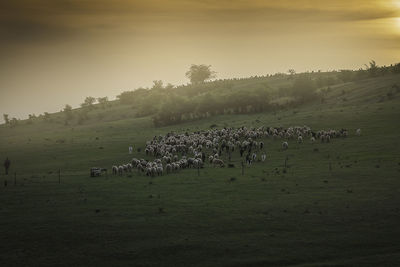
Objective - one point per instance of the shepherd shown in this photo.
(7, 164)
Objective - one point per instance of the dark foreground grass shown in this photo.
(333, 204)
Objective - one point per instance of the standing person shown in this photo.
(7, 164)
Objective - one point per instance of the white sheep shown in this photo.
(114, 170)
(218, 162)
(285, 145)
(300, 139)
(328, 138)
(263, 157)
(168, 167)
(160, 170)
(130, 167)
(135, 162)
(120, 170)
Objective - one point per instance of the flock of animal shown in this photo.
(173, 152)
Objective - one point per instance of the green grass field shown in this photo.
(307, 214)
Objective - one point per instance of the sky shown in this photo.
(57, 52)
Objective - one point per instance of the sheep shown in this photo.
(175, 166)
(114, 170)
(194, 145)
(125, 167)
(168, 168)
(135, 162)
(153, 171)
(200, 163)
(285, 145)
(218, 162)
(148, 171)
(263, 157)
(120, 170)
(196, 163)
(300, 139)
(139, 167)
(160, 170)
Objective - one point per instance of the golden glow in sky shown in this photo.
(397, 23)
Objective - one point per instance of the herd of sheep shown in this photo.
(173, 152)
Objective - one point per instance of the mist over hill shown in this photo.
(169, 104)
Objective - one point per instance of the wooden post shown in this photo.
(15, 178)
(59, 176)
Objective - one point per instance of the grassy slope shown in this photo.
(306, 216)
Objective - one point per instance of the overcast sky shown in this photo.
(57, 52)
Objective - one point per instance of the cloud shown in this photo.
(25, 21)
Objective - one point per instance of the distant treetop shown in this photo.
(200, 73)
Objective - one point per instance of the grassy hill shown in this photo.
(305, 214)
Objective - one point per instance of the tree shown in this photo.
(67, 108)
(292, 72)
(303, 88)
(207, 105)
(200, 73)
(102, 101)
(46, 116)
(83, 115)
(13, 122)
(157, 84)
(346, 75)
(68, 112)
(372, 68)
(89, 101)
(169, 86)
(6, 118)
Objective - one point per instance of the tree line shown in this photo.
(169, 104)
